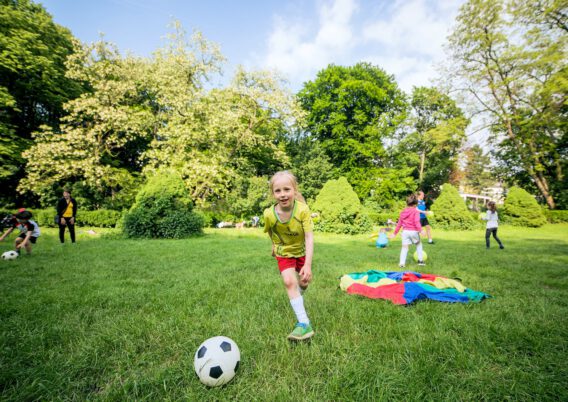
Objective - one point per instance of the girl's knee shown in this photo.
(290, 281)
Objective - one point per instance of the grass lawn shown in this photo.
(114, 319)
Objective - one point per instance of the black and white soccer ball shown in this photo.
(216, 361)
(10, 255)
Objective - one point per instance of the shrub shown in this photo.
(450, 211)
(162, 210)
(555, 216)
(340, 209)
(521, 209)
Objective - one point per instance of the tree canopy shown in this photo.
(510, 56)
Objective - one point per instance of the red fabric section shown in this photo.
(410, 277)
(285, 263)
(394, 292)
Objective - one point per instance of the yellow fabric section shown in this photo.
(445, 283)
(289, 237)
(347, 281)
(69, 211)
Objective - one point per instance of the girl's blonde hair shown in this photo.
(283, 173)
(293, 180)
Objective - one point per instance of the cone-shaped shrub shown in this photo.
(162, 210)
(340, 209)
(450, 211)
(521, 209)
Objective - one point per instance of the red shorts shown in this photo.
(285, 263)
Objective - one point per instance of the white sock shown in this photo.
(419, 251)
(403, 253)
(299, 310)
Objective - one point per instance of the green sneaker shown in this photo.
(301, 331)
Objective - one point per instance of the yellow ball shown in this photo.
(424, 256)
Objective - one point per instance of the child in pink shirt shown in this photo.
(409, 220)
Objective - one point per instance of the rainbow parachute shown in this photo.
(405, 287)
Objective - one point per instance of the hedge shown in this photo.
(555, 216)
(102, 218)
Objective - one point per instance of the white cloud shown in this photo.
(404, 37)
(300, 50)
(409, 39)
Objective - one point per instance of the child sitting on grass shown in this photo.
(409, 221)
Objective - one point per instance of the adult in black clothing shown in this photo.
(66, 210)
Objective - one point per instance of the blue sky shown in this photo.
(297, 38)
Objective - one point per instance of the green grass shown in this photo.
(114, 319)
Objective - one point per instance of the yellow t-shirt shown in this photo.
(69, 211)
(289, 237)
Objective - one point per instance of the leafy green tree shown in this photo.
(131, 104)
(33, 85)
(450, 211)
(339, 209)
(392, 185)
(521, 209)
(248, 197)
(311, 166)
(227, 133)
(510, 56)
(352, 111)
(100, 141)
(437, 132)
(477, 169)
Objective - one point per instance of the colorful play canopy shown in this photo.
(404, 287)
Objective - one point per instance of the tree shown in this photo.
(33, 85)
(100, 141)
(510, 56)
(476, 171)
(352, 111)
(437, 132)
(227, 133)
(104, 143)
(311, 166)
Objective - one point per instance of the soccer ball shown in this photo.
(10, 255)
(424, 256)
(216, 361)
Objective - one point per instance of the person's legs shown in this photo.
(429, 233)
(71, 227)
(17, 243)
(487, 237)
(62, 232)
(303, 329)
(420, 253)
(403, 254)
(496, 238)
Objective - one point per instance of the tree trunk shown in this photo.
(542, 185)
(421, 171)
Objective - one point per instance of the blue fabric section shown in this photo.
(472, 295)
(416, 291)
(374, 276)
(397, 275)
(422, 207)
